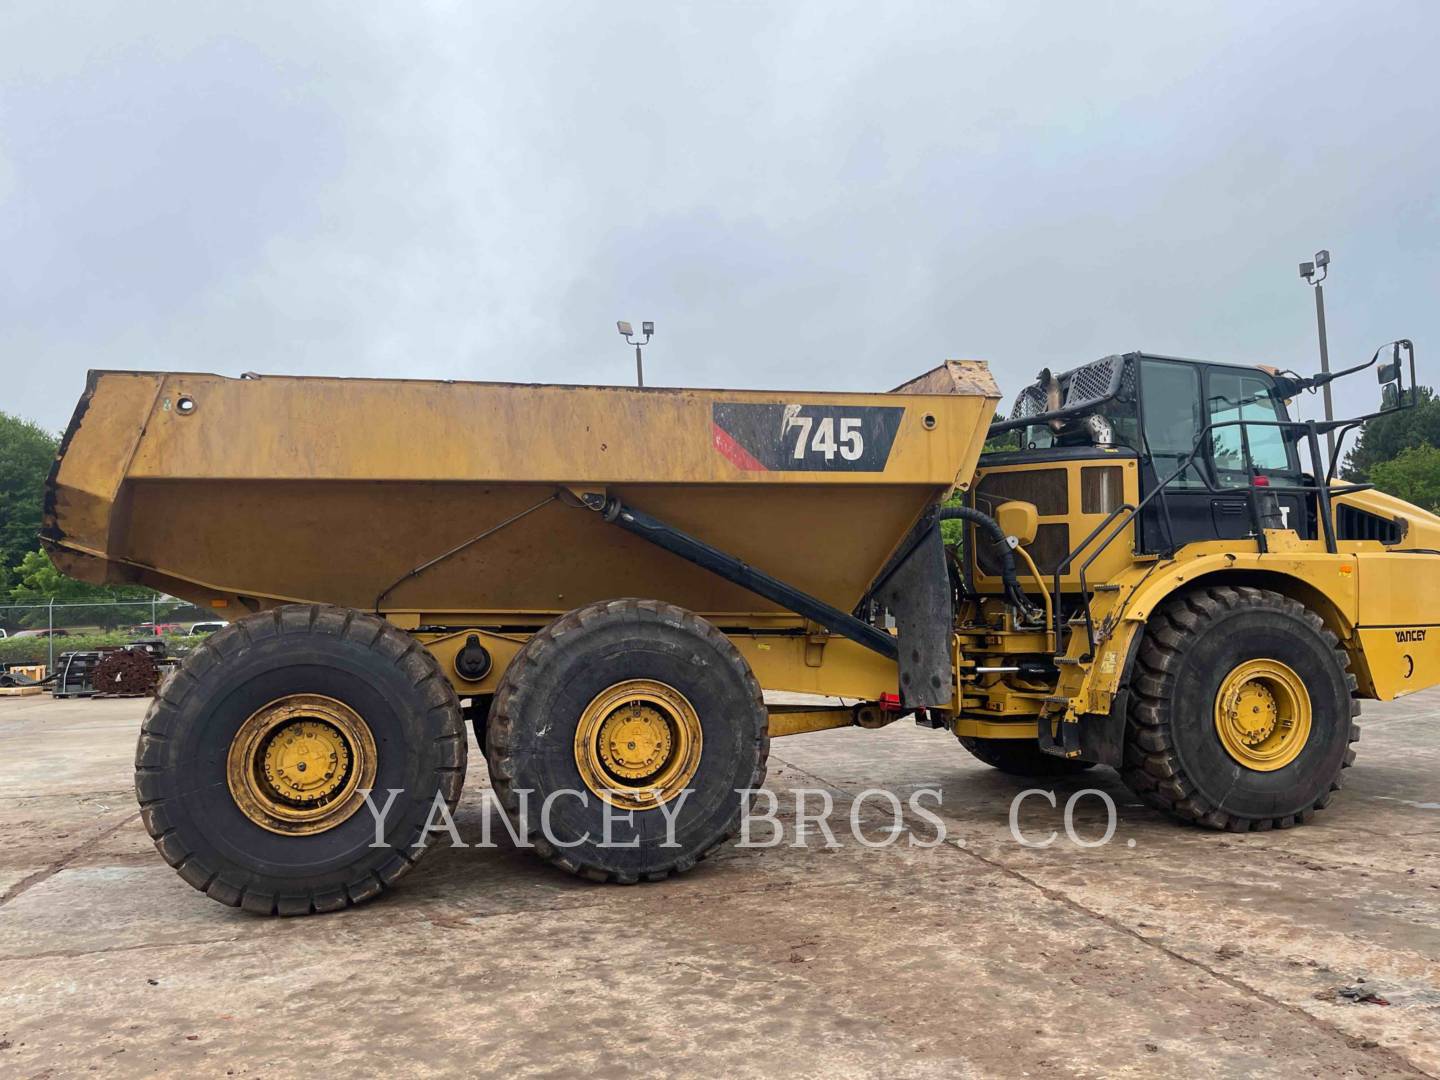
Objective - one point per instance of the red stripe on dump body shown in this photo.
(736, 453)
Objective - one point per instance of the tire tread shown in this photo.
(1151, 768)
(163, 714)
(513, 684)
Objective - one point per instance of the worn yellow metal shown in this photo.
(247, 493)
(847, 670)
(301, 764)
(638, 744)
(1262, 714)
(279, 489)
(1382, 603)
(969, 726)
(1071, 498)
(822, 664)
(801, 721)
(1396, 628)
(445, 647)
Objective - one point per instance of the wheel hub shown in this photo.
(1263, 715)
(306, 761)
(638, 743)
(1253, 712)
(634, 741)
(301, 764)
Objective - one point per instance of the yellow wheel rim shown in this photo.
(638, 744)
(1262, 715)
(301, 764)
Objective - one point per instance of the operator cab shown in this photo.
(1152, 409)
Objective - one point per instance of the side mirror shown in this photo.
(1393, 393)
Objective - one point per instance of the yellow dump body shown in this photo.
(244, 493)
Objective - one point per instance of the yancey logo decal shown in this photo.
(1409, 635)
(805, 438)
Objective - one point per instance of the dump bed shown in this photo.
(244, 493)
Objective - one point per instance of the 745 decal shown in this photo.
(806, 438)
(850, 444)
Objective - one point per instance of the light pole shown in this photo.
(1314, 273)
(627, 331)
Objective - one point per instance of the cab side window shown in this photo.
(1234, 395)
(1170, 400)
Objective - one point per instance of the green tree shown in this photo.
(26, 451)
(38, 582)
(1383, 438)
(26, 574)
(1413, 475)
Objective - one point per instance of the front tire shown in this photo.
(617, 710)
(254, 758)
(1241, 715)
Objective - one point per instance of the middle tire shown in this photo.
(638, 711)
(1021, 757)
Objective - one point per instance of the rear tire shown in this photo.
(1021, 757)
(589, 681)
(354, 696)
(1183, 754)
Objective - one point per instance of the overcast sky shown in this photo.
(801, 195)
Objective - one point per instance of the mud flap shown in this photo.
(917, 594)
(1102, 738)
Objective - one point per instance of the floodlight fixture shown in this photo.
(627, 332)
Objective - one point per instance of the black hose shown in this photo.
(981, 520)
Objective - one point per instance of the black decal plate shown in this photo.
(805, 438)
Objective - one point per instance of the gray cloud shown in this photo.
(801, 195)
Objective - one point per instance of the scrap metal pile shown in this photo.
(125, 673)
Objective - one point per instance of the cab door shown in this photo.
(1177, 400)
(1240, 394)
(1170, 412)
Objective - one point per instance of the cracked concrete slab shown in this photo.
(1187, 953)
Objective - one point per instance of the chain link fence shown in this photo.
(39, 632)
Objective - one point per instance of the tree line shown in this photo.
(26, 575)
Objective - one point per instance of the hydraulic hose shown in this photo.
(1008, 578)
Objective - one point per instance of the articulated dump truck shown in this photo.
(1158, 571)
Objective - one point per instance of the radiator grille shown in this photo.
(1048, 489)
(1355, 524)
(1051, 545)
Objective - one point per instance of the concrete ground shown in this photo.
(1167, 952)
